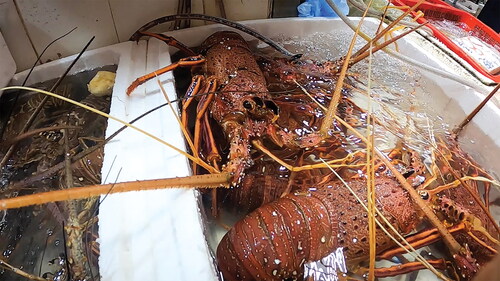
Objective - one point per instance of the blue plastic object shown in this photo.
(319, 8)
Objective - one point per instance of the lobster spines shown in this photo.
(230, 57)
(275, 241)
(234, 67)
(392, 201)
(279, 238)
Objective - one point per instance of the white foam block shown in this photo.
(149, 235)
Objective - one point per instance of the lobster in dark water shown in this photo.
(65, 130)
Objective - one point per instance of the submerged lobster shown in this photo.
(64, 130)
(316, 213)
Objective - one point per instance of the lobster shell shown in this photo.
(275, 241)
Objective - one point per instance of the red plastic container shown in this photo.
(440, 10)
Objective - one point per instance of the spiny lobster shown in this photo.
(276, 240)
(243, 109)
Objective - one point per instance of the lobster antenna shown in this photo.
(403, 58)
(370, 165)
(39, 107)
(205, 181)
(31, 70)
(332, 108)
(469, 117)
(20, 271)
(384, 44)
(226, 22)
(387, 29)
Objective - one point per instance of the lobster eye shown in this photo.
(271, 105)
(424, 194)
(408, 173)
(248, 105)
(258, 101)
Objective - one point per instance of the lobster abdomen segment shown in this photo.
(276, 240)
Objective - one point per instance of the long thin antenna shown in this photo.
(467, 119)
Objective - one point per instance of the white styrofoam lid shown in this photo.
(7, 64)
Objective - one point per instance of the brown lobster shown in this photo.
(276, 240)
(234, 93)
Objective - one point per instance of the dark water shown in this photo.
(31, 238)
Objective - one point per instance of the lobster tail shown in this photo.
(276, 240)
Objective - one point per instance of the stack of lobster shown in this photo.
(269, 131)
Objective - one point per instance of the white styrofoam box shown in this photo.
(152, 235)
(7, 64)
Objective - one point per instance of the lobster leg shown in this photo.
(189, 61)
(408, 267)
(193, 89)
(206, 99)
(419, 240)
(169, 40)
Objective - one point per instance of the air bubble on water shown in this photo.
(7, 253)
(59, 275)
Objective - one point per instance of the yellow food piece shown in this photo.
(102, 83)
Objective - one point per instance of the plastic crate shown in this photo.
(439, 10)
